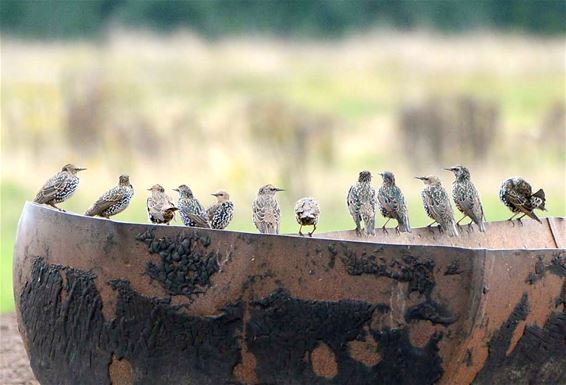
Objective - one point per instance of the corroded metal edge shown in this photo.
(444, 308)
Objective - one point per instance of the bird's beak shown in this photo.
(380, 173)
(214, 194)
(80, 169)
(176, 189)
(449, 169)
(279, 189)
(148, 189)
(420, 177)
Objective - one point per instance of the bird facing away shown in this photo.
(437, 205)
(266, 213)
(59, 187)
(160, 207)
(188, 204)
(516, 194)
(113, 201)
(392, 203)
(466, 197)
(307, 212)
(362, 202)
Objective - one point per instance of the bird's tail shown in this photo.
(404, 225)
(198, 221)
(90, 212)
(481, 225)
(452, 229)
(540, 199)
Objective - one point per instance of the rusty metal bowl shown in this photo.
(103, 302)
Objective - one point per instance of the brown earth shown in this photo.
(14, 362)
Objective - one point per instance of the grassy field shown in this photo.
(239, 113)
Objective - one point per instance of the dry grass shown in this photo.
(239, 113)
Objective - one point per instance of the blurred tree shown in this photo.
(67, 19)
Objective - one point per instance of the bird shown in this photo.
(437, 205)
(217, 216)
(516, 194)
(392, 203)
(266, 213)
(59, 187)
(362, 202)
(160, 207)
(188, 204)
(307, 212)
(113, 201)
(466, 197)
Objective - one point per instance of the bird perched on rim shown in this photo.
(188, 204)
(217, 216)
(362, 202)
(59, 187)
(266, 213)
(307, 212)
(466, 197)
(516, 194)
(392, 203)
(113, 201)
(160, 207)
(437, 205)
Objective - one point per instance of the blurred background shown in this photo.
(302, 94)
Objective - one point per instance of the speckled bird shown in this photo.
(392, 203)
(437, 205)
(160, 207)
(266, 213)
(362, 203)
(516, 194)
(188, 204)
(113, 201)
(466, 197)
(217, 216)
(307, 213)
(59, 187)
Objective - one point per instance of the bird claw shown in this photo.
(358, 232)
(384, 230)
(520, 221)
(397, 230)
(310, 234)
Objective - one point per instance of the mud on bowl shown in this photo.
(102, 302)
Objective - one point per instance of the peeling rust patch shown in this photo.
(323, 361)
(120, 372)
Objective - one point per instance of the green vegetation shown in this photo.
(305, 18)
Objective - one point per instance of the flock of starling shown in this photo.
(362, 199)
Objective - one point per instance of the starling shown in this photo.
(362, 202)
(392, 203)
(265, 210)
(160, 207)
(466, 197)
(220, 214)
(113, 201)
(188, 204)
(59, 187)
(516, 194)
(437, 204)
(307, 212)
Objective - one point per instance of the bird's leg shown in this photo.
(430, 227)
(519, 219)
(461, 219)
(470, 227)
(383, 228)
(58, 208)
(397, 230)
(300, 228)
(313, 230)
(511, 219)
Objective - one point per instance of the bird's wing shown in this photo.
(517, 199)
(198, 220)
(109, 198)
(50, 189)
(352, 202)
(440, 206)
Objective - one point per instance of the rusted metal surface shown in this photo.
(102, 302)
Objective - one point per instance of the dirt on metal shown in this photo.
(103, 302)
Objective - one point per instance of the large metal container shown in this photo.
(102, 302)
